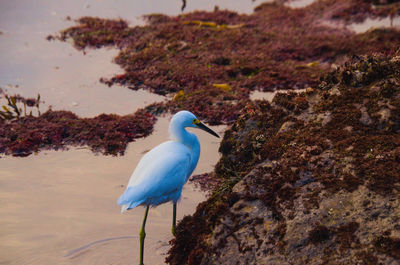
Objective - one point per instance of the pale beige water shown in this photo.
(66, 78)
(56, 202)
(373, 23)
(269, 95)
(299, 3)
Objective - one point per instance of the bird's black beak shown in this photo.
(205, 128)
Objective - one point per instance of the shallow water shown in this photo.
(299, 3)
(269, 95)
(66, 78)
(371, 23)
(59, 207)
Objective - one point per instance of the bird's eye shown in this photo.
(196, 121)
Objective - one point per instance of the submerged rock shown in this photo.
(324, 189)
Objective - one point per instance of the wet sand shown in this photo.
(60, 207)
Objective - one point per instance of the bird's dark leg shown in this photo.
(142, 235)
(174, 219)
(183, 5)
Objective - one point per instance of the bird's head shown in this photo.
(187, 119)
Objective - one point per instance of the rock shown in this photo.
(286, 126)
(323, 186)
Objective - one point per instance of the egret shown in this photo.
(161, 173)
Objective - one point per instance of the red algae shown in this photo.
(206, 182)
(102, 32)
(108, 134)
(275, 47)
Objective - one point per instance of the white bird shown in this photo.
(161, 173)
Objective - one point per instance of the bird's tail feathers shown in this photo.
(124, 208)
(129, 200)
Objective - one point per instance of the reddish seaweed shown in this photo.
(108, 134)
(191, 52)
(206, 182)
(95, 32)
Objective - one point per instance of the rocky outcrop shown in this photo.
(313, 178)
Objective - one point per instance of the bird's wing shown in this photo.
(160, 172)
(158, 158)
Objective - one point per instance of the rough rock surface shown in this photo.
(313, 178)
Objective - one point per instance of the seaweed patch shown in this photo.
(106, 133)
(276, 47)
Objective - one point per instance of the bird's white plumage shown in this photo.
(159, 159)
(159, 176)
(162, 172)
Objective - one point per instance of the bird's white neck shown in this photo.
(180, 134)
